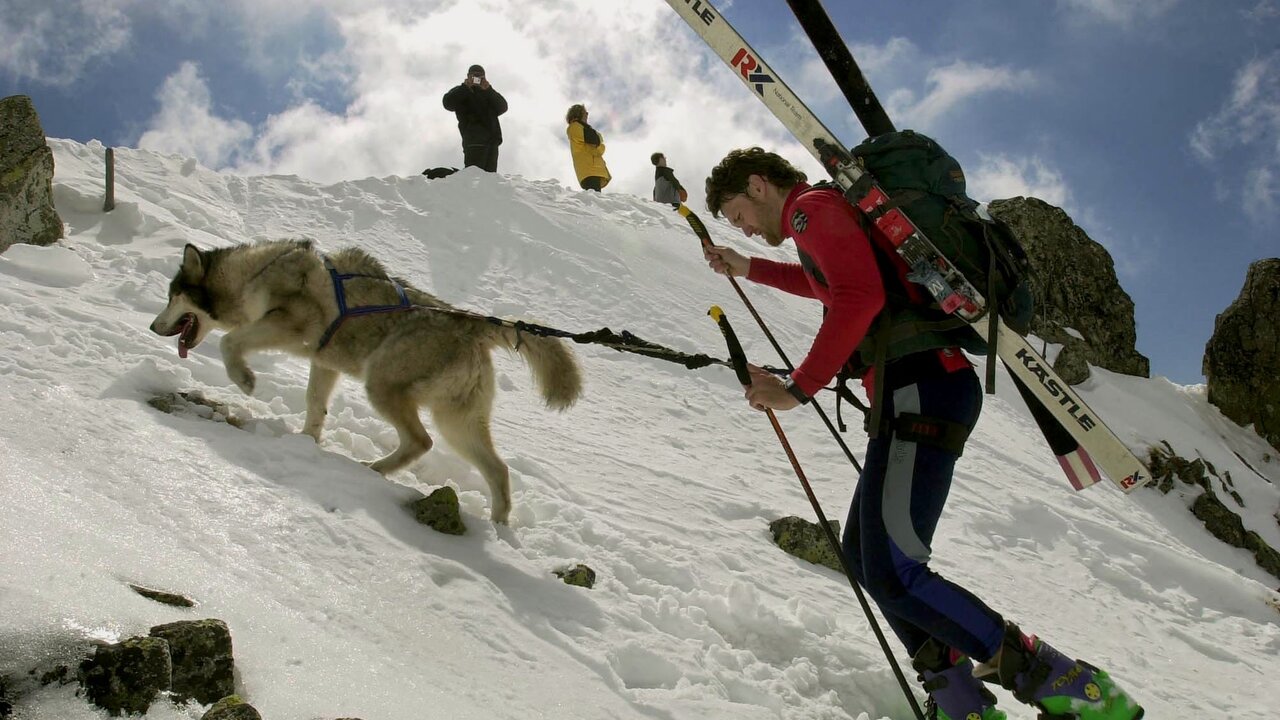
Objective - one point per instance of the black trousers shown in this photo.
(484, 157)
(592, 183)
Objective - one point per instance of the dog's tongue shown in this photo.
(183, 333)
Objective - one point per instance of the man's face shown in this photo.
(754, 213)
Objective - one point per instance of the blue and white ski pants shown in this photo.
(895, 509)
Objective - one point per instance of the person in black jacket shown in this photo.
(477, 106)
(666, 188)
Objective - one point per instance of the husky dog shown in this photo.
(344, 313)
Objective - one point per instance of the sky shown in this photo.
(661, 479)
(1154, 123)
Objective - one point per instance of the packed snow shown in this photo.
(661, 479)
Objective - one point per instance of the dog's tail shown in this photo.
(555, 370)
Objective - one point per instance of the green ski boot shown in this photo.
(1063, 689)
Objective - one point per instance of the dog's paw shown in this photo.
(242, 376)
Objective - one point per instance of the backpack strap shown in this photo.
(881, 352)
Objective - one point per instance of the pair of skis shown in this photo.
(1086, 448)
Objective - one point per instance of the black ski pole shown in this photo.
(848, 76)
(739, 360)
(704, 235)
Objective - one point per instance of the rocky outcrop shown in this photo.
(1242, 359)
(26, 177)
(1076, 289)
(1168, 469)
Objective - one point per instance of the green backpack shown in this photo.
(928, 185)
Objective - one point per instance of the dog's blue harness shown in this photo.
(345, 312)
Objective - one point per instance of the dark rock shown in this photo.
(1219, 520)
(806, 540)
(439, 510)
(193, 404)
(27, 214)
(127, 677)
(6, 703)
(1075, 286)
(163, 597)
(1225, 525)
(1072, 363)
(1266, 556)
(60, 674)
(203, 668)
(231, 707)
(579, 575)
(1242, 357)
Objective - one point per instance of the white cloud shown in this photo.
(187, 125)
(1263, 10)
(1242, 140)
(999, 176)
(950, 86)
(54, 43)
(1125, 13)
(396, 60)
(1261, 194)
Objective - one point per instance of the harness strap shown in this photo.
(877, 394)
(340, 296)
(843, 394)
(940, 433)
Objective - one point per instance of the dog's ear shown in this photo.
(192, 262)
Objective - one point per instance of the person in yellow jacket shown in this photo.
(587, 148)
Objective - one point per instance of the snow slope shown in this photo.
(661, 479)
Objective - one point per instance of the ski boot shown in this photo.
(1063, 689)
(954, 693)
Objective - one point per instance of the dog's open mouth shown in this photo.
(188, 328)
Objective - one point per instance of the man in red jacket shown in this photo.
(929, 398)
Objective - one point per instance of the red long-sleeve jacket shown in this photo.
(845, 278)
(841, 272)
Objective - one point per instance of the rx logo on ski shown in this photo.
(747, 65)
(799, 221)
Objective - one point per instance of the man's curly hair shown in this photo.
(729, 178)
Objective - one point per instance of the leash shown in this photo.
(624, 341)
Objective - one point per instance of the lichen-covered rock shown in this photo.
(1242, 359)
(203, 669)
(1074, 283)
(439, 510)
(1225, 525)
(806, 540)
(1072, 363)
(160, 596)
(231, 707)
(127, 677)
(27, 214)
(579, 575)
